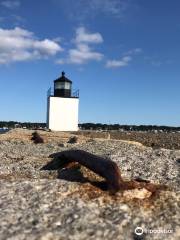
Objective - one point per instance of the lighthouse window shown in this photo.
(67, 85)
(62, 85)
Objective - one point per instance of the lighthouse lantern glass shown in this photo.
(67, 85)
(62, 85)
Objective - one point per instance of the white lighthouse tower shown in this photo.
(62, 106)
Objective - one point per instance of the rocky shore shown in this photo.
(57, 205)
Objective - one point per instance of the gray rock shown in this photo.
(37, 205)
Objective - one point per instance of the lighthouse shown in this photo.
(62, 106)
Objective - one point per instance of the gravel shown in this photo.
(169, 140)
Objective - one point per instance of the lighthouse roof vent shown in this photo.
(63, 78)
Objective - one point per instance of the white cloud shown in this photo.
(20, 44)
(134, 51)
(113, 7)
(124, 61)
(46, 47)
(156, 63)
(60, 61)
(83, 9)
(82, 36)
(119, 63)
(14, 19)
(83, 53)
(11, 4)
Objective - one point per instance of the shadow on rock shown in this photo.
(71, 171)
(68, 163)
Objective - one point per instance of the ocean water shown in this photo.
(3, 130)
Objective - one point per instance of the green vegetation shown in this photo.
(99, 126)
(93, 126)
(14, 124)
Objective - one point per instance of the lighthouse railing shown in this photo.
(75, 93)
(49, 91)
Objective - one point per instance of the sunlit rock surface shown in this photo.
(46, 205)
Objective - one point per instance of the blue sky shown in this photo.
(123, 55)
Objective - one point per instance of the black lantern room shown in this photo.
(62, 86)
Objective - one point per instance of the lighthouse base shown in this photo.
(62, 114)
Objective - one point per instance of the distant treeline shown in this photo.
(14, 124)
(93, 126)
(100, 126)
